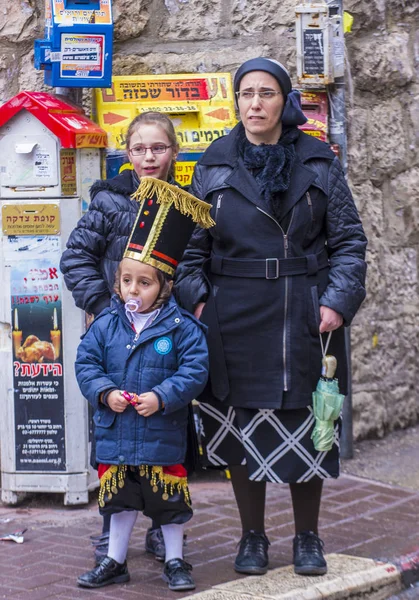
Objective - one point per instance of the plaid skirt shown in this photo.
(274, 444)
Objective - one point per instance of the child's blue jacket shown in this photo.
(169, 357)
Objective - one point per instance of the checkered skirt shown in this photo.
(275, 444)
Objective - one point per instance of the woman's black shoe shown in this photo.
(308, 554)
(252, 558)
(177, 574)
(109, 571)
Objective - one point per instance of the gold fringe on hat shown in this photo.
(184, 202)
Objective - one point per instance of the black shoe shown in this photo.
(109, 571)
(154, 543)
(101, 544)
(252, 558)
(177, 574)
(308, 554)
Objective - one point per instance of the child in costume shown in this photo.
(140, 364)
(96, 246)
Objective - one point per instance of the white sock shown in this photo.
(173, 540)
(120, 532)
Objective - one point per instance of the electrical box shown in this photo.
(77, 48)
(50, 155)
(313, 29)
(201, 106)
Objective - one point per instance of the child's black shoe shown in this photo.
(154, 543)
(177, 574)
(101, 544)
(109, 571)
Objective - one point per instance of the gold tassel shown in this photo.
(169, 483)
(112, 479)
(184, 202)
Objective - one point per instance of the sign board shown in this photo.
(37, 353)
(201, 106)
(315, 108)
(30, 219)
(78, 16)
(314, 44)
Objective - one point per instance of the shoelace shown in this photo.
(254, 544)
(310, 543)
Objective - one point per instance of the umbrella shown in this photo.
(327, 403)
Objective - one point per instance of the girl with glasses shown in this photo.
(96, 245)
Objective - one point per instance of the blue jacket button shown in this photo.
(99, 418)
(121, 458)
(128, 347)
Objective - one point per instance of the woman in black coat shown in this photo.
(283, 265)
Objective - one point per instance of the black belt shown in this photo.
(269, 268)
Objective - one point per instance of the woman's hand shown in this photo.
(329, 319)
(148, 404)
(116, 401)
(198, 310)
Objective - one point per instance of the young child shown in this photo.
(96, 245)
(140, 364)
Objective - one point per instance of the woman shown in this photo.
(284, 263)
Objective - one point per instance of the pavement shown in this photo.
(369, 523)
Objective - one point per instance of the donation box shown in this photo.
(50, 155)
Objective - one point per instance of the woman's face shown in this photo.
(151, 165)
(261, 117)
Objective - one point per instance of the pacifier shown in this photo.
(132, 305)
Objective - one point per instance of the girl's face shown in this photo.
(139, 282)
(150, 137)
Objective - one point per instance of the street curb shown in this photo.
(347, 577)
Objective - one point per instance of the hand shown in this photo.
(148, 404)
(198, 310)
(116, 401)
(329, 319)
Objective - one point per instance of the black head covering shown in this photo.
(292, 114)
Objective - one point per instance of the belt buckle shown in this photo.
(276, 262)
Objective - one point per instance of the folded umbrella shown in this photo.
(327, 403)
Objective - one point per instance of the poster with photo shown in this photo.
(37, 352)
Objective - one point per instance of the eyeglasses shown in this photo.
(155, 149)
(263, 95)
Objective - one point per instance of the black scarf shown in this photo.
(271, 165)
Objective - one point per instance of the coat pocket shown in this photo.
(165, 438)
(314, 310)
(105, 435)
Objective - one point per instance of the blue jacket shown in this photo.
(170, 358)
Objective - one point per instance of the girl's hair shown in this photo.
(154, 118)
(165, 287)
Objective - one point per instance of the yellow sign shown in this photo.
(68, 172)
(184, 172)
(31, 219)
(201, 106)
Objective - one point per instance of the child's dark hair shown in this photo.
(154, 118)
(165, 287)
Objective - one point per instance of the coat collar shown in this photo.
(224, 151)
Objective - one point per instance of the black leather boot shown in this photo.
(109, 571)
(252, 558)
(308, 554)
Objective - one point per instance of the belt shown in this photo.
(269, 268)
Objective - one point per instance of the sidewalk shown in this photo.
(360, 518)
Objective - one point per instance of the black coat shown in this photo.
(96, 245)
(263, 331)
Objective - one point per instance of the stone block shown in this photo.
(381, 63)
(370, 418)
(250, 17)
(402, 208)
(191, 20)
(130, 18)
(358, 144)
(367, 14)
(369, 201)
(18, 21)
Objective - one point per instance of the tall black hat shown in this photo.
(165, 222)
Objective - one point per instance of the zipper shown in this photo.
(284, 331)
(310, 207)
(218, 205)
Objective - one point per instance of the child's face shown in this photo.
(149, 164)
(139, 281)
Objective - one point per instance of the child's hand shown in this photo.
(116, 401)
(148, 404)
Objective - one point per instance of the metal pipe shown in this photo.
(337, 135)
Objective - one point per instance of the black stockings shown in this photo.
(250, 498)
(306, 498)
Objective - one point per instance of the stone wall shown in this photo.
(175, 36)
